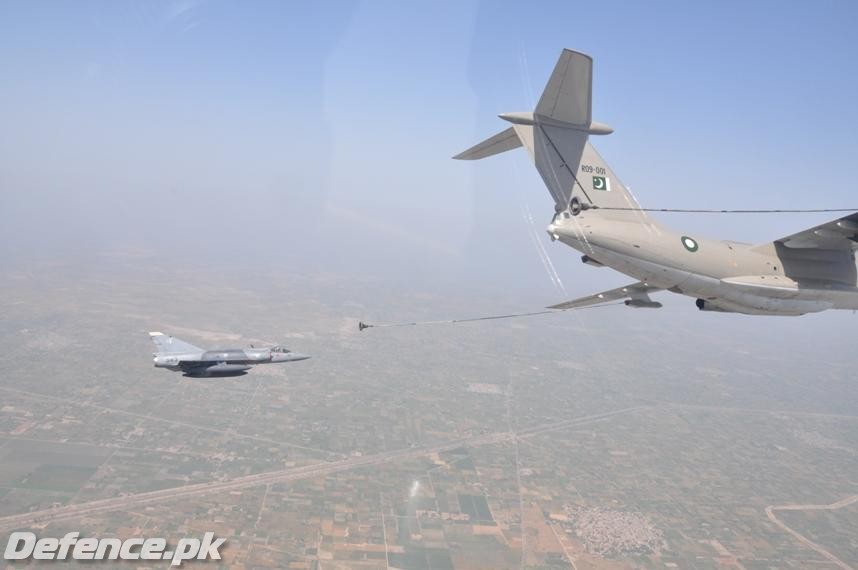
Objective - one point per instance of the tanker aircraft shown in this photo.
(806, 272)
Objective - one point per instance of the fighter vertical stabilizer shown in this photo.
(166, 344)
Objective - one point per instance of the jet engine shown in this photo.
(586, 259)
(705, 305)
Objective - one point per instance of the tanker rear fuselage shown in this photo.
(723, 276)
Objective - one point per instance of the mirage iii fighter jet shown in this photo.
(180, 356)
(807, 272)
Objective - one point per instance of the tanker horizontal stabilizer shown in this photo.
(501, 142)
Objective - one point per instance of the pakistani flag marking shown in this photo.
(689, 243)
(601, 183)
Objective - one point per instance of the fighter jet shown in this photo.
(806, 272)
(180, 356)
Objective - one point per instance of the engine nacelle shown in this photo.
(705, 305)
(586, 259)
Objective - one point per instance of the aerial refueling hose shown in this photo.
(714, 211)
(362, 325)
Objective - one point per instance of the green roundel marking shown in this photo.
(689, 243)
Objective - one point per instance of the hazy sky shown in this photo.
(320, 138)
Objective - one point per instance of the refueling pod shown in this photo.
(642, 304)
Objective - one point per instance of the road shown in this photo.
(128, 502)
(770, 512)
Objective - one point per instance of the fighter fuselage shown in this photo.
(223, 362)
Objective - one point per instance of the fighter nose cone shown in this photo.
(295, 356)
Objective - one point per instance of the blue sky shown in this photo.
(320, 137)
